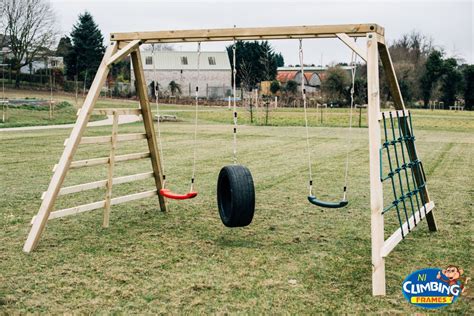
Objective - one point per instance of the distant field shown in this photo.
(294, 258)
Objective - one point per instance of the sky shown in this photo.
(449, 23)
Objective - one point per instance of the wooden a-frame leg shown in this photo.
(110, 171)
(148, 122)
(68, 153)
(400, 105)
(376, 191)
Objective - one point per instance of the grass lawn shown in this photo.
(294, 258)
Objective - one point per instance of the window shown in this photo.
(54, 63)
(149, 60)
(184, 60)
(212, 60)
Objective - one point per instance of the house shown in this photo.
(48, 62)
(313, 76)
(215, 72)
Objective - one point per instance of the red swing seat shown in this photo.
(175, 196)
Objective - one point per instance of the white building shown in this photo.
(48, 62)
(165, 66)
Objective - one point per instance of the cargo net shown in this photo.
(402, 171)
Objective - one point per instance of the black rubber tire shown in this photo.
(235, 196)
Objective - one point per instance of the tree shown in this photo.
(174, 87)
(268, 61)
(255, 62)
(274, 87)
(280, 62)
(291, 87)
(451, 82)
(431, 74)
(87, 49)
(468, 73)
(29, 26)
(337, 84)
(64, 47)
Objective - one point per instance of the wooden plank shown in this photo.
(102, 183)
(123, 52)
(352, 45)
(376, 190)
(105, 160)
(108, 139)
(397, 236)
(400, 113)
(110, 171)
(68, 153)
(109, 111)
(262, 33)
(133, 197)
(391, 77)
(96, 205)
(400, 105)
(148, 122)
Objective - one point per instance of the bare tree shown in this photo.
(29, 26)
(164, 47)
(247, 74)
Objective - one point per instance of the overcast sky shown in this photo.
(449, 23)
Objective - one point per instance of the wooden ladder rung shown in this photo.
(105, 160)
(108, 139)
(102, 183)
(100, 204)
(110, 111)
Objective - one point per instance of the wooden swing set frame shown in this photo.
(124, 44)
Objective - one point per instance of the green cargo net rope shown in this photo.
(402, 169)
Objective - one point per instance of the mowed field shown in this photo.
(294, 258)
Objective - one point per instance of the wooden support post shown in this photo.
(110, 171)
(68, 153)
(376, 190)
(400, 105)
(148, 122)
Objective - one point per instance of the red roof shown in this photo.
(285, 76)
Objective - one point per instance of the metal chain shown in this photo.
(196, 116)
(234, 92)
(303, 94)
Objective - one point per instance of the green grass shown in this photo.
(294, 258)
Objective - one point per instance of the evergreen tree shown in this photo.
(280, 62)
(256, 62)
(64, 47)
(469, 87)
(433, 70)
(87, 49)
(451, 82)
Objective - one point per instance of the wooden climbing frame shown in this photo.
(124, 44)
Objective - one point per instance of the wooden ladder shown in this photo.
(76, 138)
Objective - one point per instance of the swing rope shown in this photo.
(311, 197)
(303, 92)
(196, 107)
(349, 136)
(166, 192)
(156, 88)
(234, 92)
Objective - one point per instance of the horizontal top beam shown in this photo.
(257, 33)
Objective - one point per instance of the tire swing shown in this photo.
(164, 191)
(311, 197)
(235, 187)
